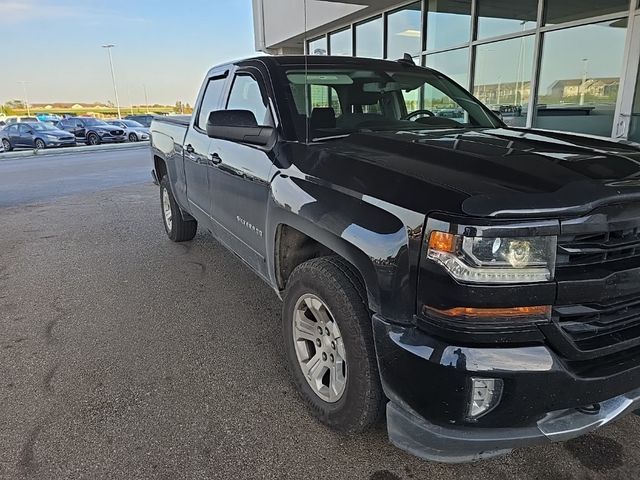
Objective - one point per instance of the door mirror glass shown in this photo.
(238, 126)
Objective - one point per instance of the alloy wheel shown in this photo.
(166, 209)
(319, 348)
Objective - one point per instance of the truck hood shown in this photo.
(495, 172)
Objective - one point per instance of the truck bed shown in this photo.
(174, 119)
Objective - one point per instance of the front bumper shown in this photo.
(60, 143)
(428, 384)
(110, 139)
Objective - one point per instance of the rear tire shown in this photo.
(7, 145)
(336, 295)
(39, 144)
(178, 229)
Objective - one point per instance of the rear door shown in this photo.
(13, 134)
(239, 181)
(196, 145)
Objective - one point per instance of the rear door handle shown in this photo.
(190, 148)
(215, 159)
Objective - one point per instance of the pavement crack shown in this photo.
(48, 378)
(27, 461)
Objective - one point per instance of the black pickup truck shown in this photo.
(479, 283)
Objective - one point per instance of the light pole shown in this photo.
(113, 76)
(26, 97)
(585, 66)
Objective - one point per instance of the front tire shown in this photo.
(7, 145)
(329, 344)
(133, 137)
(39, 144)
(178, 229)
(93, 139)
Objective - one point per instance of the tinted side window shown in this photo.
(245, 95)
(24, 129)
(211, 100)
(13, 129)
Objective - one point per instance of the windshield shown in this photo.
(132, 124)
(39, 127)
(343, 100)
(92, 122)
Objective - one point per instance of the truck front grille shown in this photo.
(593, 327)
(597, 310)
(599, 247)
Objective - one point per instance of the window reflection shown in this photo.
(503, 77)
(454, 64)
(501, 17)
(580, 78)
(559, 11)
(317, 47)
(340, 43)
(369, 39)
(448, 23)
(403, 31)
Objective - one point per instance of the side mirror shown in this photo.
(238, 126)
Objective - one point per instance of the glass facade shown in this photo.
(580, 78)
(503, 77)
(500, 17)
(369, 38)
(448, 23)
(553, 64)
(341, 43)
(454, 64)
(318, 46)
(403, 31)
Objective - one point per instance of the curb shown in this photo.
(71, 150)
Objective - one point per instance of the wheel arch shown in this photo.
(382, 242)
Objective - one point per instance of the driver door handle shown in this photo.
(190, 148)
(215, 159)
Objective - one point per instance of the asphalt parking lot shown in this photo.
(123, 355)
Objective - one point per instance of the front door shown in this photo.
(239, 182)
(197, 161)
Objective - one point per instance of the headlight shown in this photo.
(51, 137)
(494, 259)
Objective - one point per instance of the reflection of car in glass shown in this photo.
(92, 131)
(47, 117)
(133, 130)
(15, 119)
(144, 120)
(477, 283)
(34, 135)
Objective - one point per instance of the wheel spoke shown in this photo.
(305, 328)
(336, 382)
(318, 310)
(310, 366)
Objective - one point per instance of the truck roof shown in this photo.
(281, 60)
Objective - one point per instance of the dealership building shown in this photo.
(568, 65)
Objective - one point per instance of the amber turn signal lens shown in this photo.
(442, 242)
(538, 311)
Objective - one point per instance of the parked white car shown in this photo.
(134, 131)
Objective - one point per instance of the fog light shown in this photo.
(484, 397)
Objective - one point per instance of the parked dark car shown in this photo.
(478, 283)
(92, 131)
(144, 120)
(34, 135)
